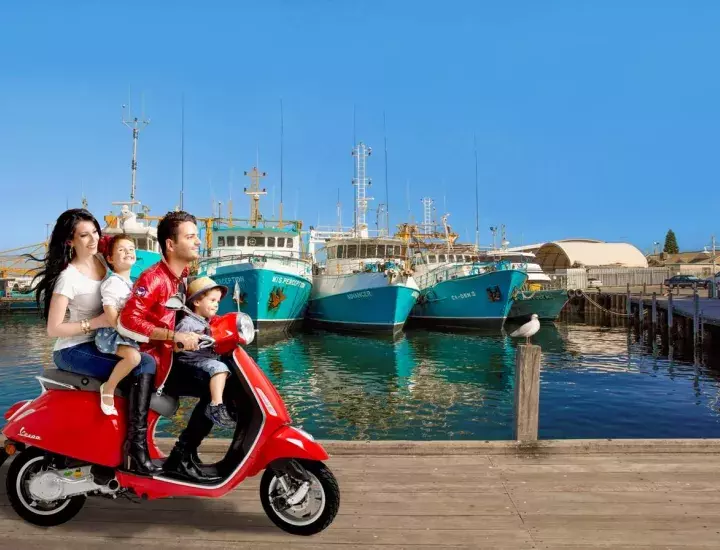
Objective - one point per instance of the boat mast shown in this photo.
(282, 133)
(135, 125)
(477, 201)
(254, 192)
(361, 182)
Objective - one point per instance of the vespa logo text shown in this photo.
(23, 433)
(359, 295)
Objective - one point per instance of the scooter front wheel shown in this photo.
(23, 469)
(298, 507)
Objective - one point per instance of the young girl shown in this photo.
(204, 299)
(115, 290)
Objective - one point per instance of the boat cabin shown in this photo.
(235, 241)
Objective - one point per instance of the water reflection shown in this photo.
(595, 382)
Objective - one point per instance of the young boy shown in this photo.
(203, 299)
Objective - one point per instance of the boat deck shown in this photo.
(564, 494)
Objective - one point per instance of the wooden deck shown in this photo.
(565, 494)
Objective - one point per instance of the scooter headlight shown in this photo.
(246, 328)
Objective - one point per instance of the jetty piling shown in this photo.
(527, 392)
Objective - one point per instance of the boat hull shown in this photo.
(474, 301)
(143, 260)
(547, 304)
(275, 301)
(361, 302)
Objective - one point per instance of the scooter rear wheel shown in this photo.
(314, 513)
(46, 514)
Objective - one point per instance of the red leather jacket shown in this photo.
(145, 310)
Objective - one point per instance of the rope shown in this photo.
(606, 310)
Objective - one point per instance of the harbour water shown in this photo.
(595, 383)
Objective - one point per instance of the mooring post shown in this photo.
(527, 392)
(653, 311)
(641, 310)
(628, 304)
(696, 317)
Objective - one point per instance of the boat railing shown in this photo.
(254, 258)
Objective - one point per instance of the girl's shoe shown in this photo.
(109, 410)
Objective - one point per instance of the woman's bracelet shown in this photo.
(85, 326)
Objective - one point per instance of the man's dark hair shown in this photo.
(168, 227)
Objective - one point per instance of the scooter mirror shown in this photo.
(175, 303)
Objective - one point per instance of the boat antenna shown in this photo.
(387, 194)
(282, 134)
(477, 202)
(339, 211)
(135, 124)
(230, 203)
(182, 151)
(254, 192)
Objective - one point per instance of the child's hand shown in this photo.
(186, 341)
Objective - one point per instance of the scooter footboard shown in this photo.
(289, 442)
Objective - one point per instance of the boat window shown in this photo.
(341, 251)
(256, 241)
(221, 241)
(467, 258)
(363, 250)
(352, 251)
(432, 259)
(281, 242)
(231, 241)
(398, 253)
(289, 243)
(331, 253)
(371, 251)
(241, 241)
(441, 258)
(381, 251)
(271, 241)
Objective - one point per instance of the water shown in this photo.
(595, 383)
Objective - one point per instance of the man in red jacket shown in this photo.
(145, 319)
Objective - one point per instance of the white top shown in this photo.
(83, 294)
(115, 291)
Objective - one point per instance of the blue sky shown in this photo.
(593, 119)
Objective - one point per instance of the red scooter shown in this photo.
(67, 449)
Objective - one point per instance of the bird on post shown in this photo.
(528, 329)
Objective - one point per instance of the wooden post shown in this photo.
(527, 392)
(628, 303)
(653, 312)
(670, 316)
(644, 289)
(696, 317)
(641, 311)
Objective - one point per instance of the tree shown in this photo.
(671, 245)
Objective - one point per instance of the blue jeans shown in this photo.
(86, 359)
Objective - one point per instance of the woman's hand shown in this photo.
(101, 321)
(186, 341)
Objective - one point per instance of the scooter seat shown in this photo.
(57, 379)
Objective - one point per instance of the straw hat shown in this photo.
(200, 286)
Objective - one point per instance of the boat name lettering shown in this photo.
(463, 296)
(279, 279)
(359, 295)
(229, 280)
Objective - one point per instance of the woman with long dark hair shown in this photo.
(70, 280)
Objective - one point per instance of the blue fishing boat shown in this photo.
(261, 263)
(364, 283)
(458, 288)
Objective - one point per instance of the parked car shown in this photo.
(710, 279)
(593, 282)
(686, 281)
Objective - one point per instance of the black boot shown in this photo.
(136, 458)
(181, 464)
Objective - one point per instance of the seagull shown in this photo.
(528, 329)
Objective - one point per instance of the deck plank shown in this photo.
(620, 499)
